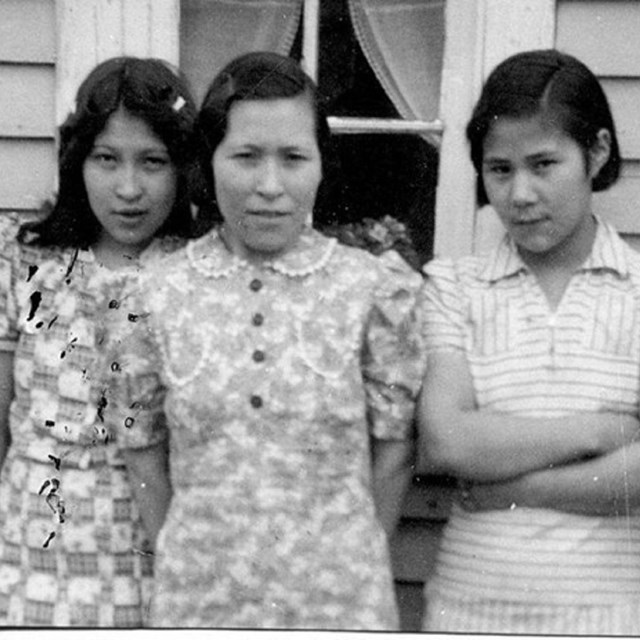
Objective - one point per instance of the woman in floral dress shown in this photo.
(286, 367)
(72, 550)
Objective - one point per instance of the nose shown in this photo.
(128, 185)
(269, 180)
(522, 189)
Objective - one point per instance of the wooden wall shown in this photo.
(27, 78)
(604, 35)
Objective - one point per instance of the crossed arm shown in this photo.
(606, 486)
(483, 446)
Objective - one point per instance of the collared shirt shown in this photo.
(528, 359)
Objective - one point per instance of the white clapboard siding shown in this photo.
(27, 103)
(624, 98)
(27, 168)
(604, 35)
(621, 203)
(601, 33)
(27, 31)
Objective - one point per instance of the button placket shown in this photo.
(257, 319)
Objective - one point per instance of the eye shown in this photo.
(156, 162)
(245, 155)
(295, 155)
(544, 163)
(104, 159)
(498, 170)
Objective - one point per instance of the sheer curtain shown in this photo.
(212, 32)
(403, 41)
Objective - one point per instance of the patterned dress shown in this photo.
(69, 529)
(525, 570)
(273, 379)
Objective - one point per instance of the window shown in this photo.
(374, 83)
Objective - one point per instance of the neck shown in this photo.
(554, 269)
(115, 258)
(252, 256)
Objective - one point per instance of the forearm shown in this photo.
(393, 466)
(459, 439)
(149, 479)
(5, 442)
(489, 446)
(608, 485)
(6, 396)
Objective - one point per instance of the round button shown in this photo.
(259, 356)
(256, 402)
(257, 319)
(255, 285)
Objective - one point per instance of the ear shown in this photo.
(599, 152)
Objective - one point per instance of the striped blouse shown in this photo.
(529, 360)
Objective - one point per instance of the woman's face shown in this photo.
(131, 185)
(267, 170)
(539, 182)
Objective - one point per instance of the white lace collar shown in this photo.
(210, 256)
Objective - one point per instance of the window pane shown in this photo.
(373, 176)
(369, 175)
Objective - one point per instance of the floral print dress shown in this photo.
(272, 378)
(72, 551)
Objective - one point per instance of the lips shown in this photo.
(529, 220)
(267, 213)
(130, 213)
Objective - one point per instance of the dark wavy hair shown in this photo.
(253, 76)
(149, 89)
(552, 84)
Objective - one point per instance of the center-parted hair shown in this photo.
(148, 89)
(253, 76)
(557, 87)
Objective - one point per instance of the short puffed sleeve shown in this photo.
(136, 393)
(393, 358)
(9, 261)
(442, 307)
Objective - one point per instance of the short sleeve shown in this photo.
(9, 258)
(135, 411)
(441, 308)
(393, 359)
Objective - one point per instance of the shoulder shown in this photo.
(23, 255)
(9, 227)
(384, 272)
(618, 254)
(466, 271)
(632, 257)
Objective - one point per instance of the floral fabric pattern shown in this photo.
(274, 377)
(70, 533)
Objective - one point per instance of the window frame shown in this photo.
(91, 30)
(355, 125)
